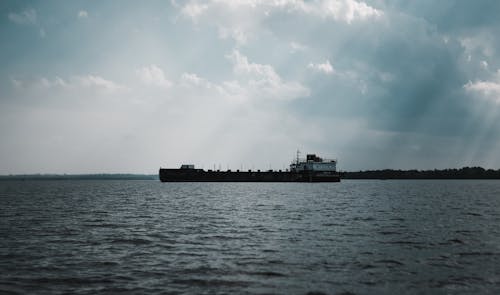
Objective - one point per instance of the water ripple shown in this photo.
(353, 237)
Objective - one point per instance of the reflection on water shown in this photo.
(359, 237)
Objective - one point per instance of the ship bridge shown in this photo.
(314, 163)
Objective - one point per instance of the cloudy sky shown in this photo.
(129, 86)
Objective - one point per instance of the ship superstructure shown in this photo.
(314, 163)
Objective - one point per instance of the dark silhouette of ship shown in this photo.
(311, 169)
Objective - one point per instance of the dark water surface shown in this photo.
(360, 237)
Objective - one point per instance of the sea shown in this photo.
(148, 237)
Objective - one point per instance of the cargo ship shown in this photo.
(310, 169)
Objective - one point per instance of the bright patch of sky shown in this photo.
(90, 87)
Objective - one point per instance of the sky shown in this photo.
(131, 86)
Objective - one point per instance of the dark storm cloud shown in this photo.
(451, 15)
(425, 69)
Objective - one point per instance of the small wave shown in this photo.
(104, 225)
(223, 237)
(190, 254)
(445, 265)
(105, 263)
(405, 243)
(211, 283)
(397, 219)
(74, 281)
(131, 241)
(453, 241)
(388, 233)
(333, 224)
(367, 266)
(478, 253)
(389, 262)
(457, 282)
(363, 219)
(354, 234)
(267, 274)
(202, 270)
(464, 231)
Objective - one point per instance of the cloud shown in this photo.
(26, 17)
(153, 75)
(325, 67)
(411, 84)
(241, 65)
(93, 82)
(343, 10)
(82, 14)
(296, 46)
(253, 83)
(98, 82)
(191, 79)
(487, 89)
(262, 80)
(347, 10)
(243, 20)
(239, 35)
(193, 10)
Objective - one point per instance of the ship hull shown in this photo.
(200, 175)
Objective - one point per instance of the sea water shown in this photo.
(353, 237)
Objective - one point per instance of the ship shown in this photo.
(310, 169)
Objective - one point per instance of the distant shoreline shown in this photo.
(462, 173)
(111, 176)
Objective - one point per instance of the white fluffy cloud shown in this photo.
(262, 80)
(487, 89)
(153, 75)
(242, 19)
(252, 82)
(98, 82)
(193, 10)
(190, 79)
(325, 67)
(347, 10)
(343, 10)
(237, 34)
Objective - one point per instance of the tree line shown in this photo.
(462, 173)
